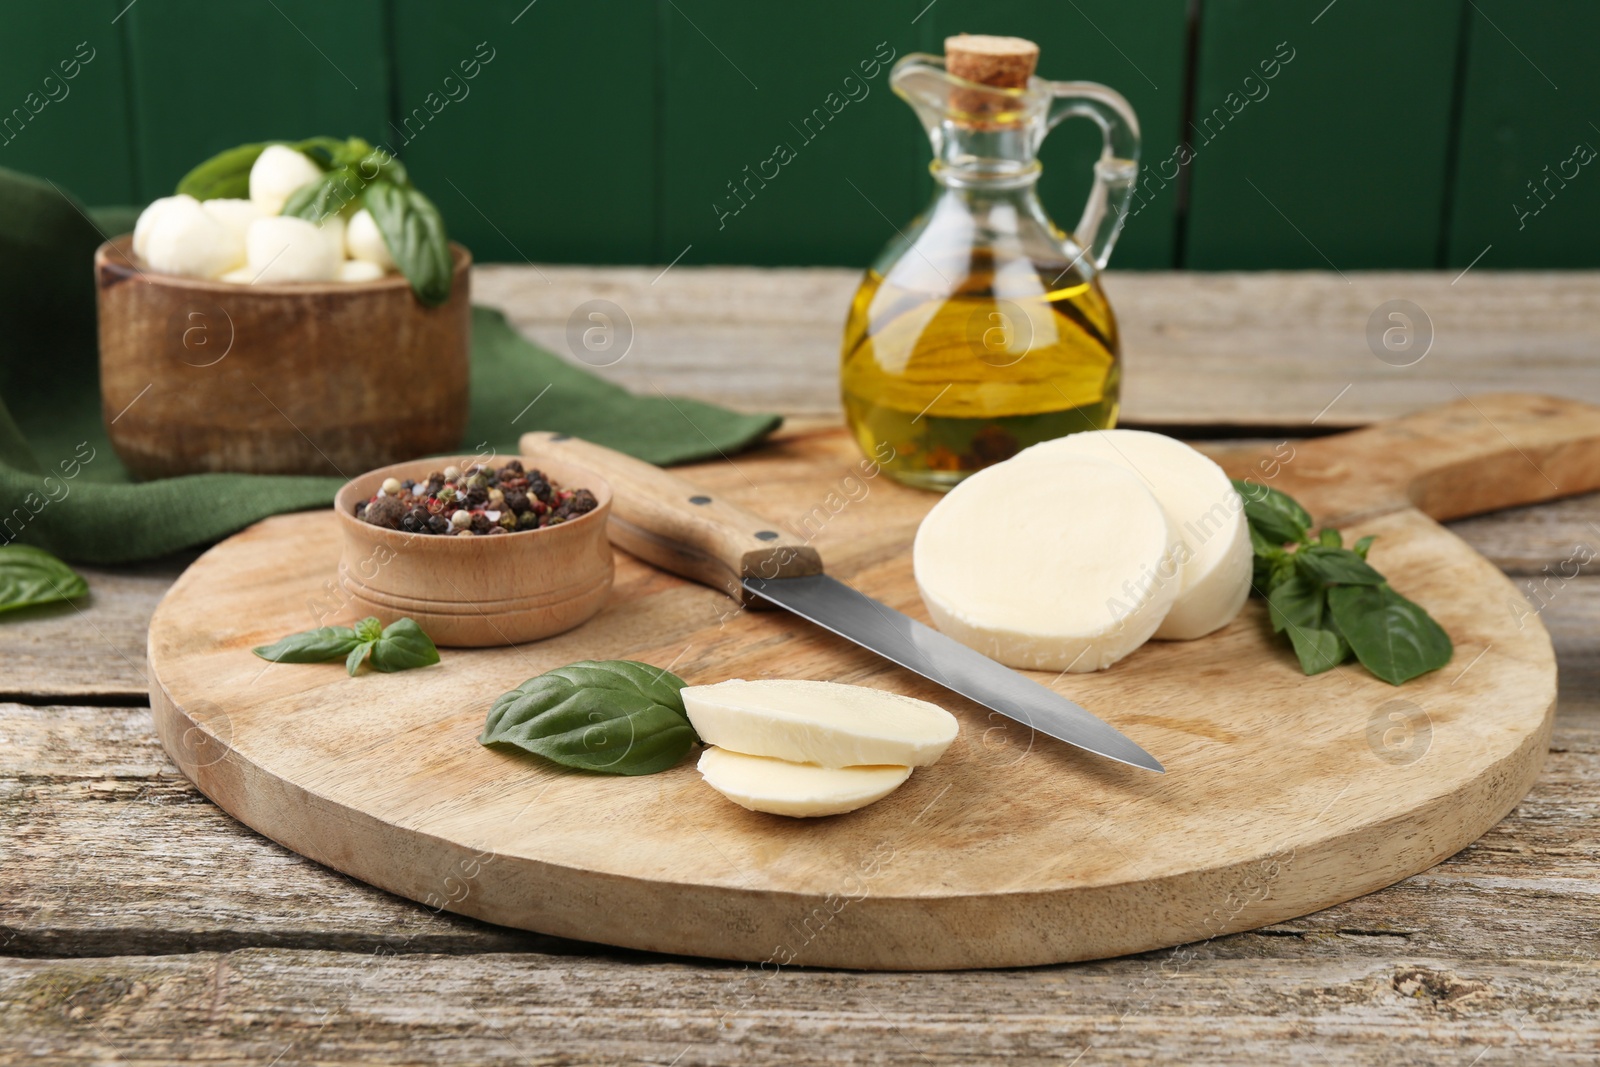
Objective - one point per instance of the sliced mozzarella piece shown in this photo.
(277, 173)
(1063, 563)
(185, 240)
(1202, 507)
(827, 723)
(363, 241)
(237, 215)
(802, 790)
(283, 249)
(359, 270)
(148, 217)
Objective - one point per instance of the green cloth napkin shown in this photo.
(50, 406)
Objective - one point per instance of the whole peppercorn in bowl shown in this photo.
(480, 550)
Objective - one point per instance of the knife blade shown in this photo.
(854, 616)
(668, 522)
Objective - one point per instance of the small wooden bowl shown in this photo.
(307, 378)
(478, 592)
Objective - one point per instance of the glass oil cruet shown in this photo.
(981, 328)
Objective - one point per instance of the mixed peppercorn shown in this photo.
(478, 501)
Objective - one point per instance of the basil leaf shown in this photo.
(369, 629)
(30, 576)
(1363, 545)
(226, 174)
(611, 716)
(402, 646)
(1336, 566)
(330, 152)
(1393, 638)
(414, 232)
(1299, 605)
(337, 193)
(1297, 601)
(360, 652)
(1328, 537)
(313, 646)
(1275, 514)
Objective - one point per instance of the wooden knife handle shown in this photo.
(670, 523)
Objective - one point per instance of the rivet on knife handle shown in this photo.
(680, 527)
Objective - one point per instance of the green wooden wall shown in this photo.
(1355, 134)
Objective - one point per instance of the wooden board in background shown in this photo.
(1284, 794)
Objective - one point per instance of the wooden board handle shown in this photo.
(1473, 455)
(670, 523)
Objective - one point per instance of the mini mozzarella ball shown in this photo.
(332, 229)
(186, 240)
(363, 241)
(148, 217)
(461, 519)
(392, 486)
(237, 215)
(238, 276)
(284, 249)
(277, 173)
(359, 270)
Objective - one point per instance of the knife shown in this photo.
(666, 521)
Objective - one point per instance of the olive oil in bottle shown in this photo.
(953, 383)
(982, 328)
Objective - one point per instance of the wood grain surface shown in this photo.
(1284, 794)
(138, 921)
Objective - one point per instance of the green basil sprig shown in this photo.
(611, 716)
(414, 232)
(399, 646)
(30, 576)
(1329, 600)
(355, 175)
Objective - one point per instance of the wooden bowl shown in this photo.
(478, 592)
(307, 378)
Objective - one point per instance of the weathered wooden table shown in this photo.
(138, 923)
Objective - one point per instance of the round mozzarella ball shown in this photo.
(359, 270)
(1061, 564)
(238, 276)
(186, 240)
(1202, 507)
(148, 217)
(363, 241)
(237, 215)
(332, 229)
(277, 173)
(283, 249)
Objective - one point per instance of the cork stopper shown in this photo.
(1004, 62)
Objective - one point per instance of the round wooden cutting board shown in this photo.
(1284, 794)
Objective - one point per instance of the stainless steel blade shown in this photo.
(856, 617)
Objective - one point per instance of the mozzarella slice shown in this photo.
(1202, 507)
(826, 723)
(1062, 563)
(802, 790)
(284, 249)
(148, 218)
(277, 172)
(363, 241)
(185, 240)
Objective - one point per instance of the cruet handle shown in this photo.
(1116, 172)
